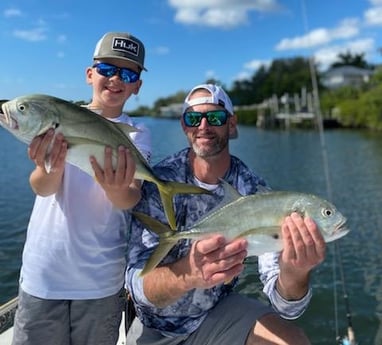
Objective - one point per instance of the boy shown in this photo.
(74, 257)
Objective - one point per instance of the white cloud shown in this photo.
(244, 75)
(376, 2)
(326, 56)
(348, 28)
(217, 18)
(256, 64)
(219, 13)
(210, 74)
(33, 35)
(12, 12)
(251, 67)
(361, 46)
(373, 16)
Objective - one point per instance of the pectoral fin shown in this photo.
(263, 240)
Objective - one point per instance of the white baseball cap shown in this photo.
(218, 97)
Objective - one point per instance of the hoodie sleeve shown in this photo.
(269, 271)
(135, 286)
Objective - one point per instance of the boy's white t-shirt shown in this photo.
(76, 240)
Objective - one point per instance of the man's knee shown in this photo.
(271, 329)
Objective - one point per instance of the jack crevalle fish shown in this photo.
(87, 133)
(256, 217)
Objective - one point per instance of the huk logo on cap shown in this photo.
(125, 45)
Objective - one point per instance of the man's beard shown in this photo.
(220, 143)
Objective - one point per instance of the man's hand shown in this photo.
(211, 261)
(214, 260)
(304, 249)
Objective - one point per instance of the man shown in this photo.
(186, 299)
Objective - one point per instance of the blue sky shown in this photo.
(46, 45)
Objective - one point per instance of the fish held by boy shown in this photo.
(256, 217)
(87, 134)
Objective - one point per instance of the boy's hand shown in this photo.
(48, 151)
(119, 185)
(118, 179)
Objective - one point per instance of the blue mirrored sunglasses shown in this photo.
(107, 70)
(213, 117)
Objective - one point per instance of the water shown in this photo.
(287, 160)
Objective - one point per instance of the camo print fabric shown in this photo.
(185, 315)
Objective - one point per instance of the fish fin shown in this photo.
(168, 189)
(125, 128)
(166, 242)
(230, 193)
(263, 240)
(48, 157)
(48, 164)
(157, 256)
(153, 224)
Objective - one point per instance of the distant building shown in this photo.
(345, 76)
(173, 110)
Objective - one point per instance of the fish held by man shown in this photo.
(87, 134)
(256, 217)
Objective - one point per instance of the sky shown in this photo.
(47, 45)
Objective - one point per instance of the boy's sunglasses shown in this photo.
(107, 70)
(213, 117)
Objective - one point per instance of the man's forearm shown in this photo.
(165, 285)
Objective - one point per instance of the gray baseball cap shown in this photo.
(121, 45)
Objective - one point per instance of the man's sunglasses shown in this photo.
(213, 117)
(107, 70)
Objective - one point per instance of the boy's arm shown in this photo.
(45, 183)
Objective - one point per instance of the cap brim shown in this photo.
(120, 58)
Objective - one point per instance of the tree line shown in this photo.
(355, 107)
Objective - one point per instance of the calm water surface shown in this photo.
(287, 160)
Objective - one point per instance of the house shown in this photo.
(173, 110)
(345, 76)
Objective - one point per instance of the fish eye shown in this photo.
(21, 107)
(326, 212)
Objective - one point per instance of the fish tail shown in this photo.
(157, 255)
(166, 240)
(167, 191)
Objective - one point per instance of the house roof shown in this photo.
(348, 70)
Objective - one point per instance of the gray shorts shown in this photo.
(67, 322)
(226, 324)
